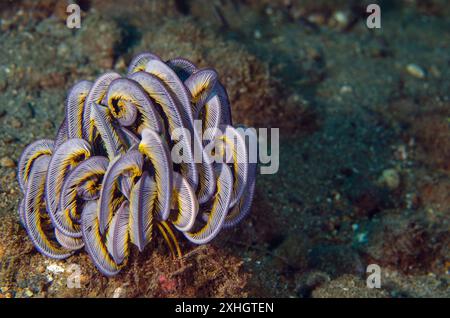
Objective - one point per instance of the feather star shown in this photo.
(109, 181)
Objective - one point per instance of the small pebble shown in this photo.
(317, 18)
(120, 64)
(401, 153)
(361, 237)
(434, 70)
(40, 269)
(341, 18)
(84, 279)
(269, 11)
(7, 162)
(117, 292)
(346, 89)
(48, 124)
(55, 269)
(8, 139)
(28, 293)
(257, 34)
(15, 123)
(415, 70)
(62, 49)
(390, 178)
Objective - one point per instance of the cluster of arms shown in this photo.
(108, 179)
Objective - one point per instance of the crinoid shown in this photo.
(151, 152)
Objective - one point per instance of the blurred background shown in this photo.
(364, 119)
